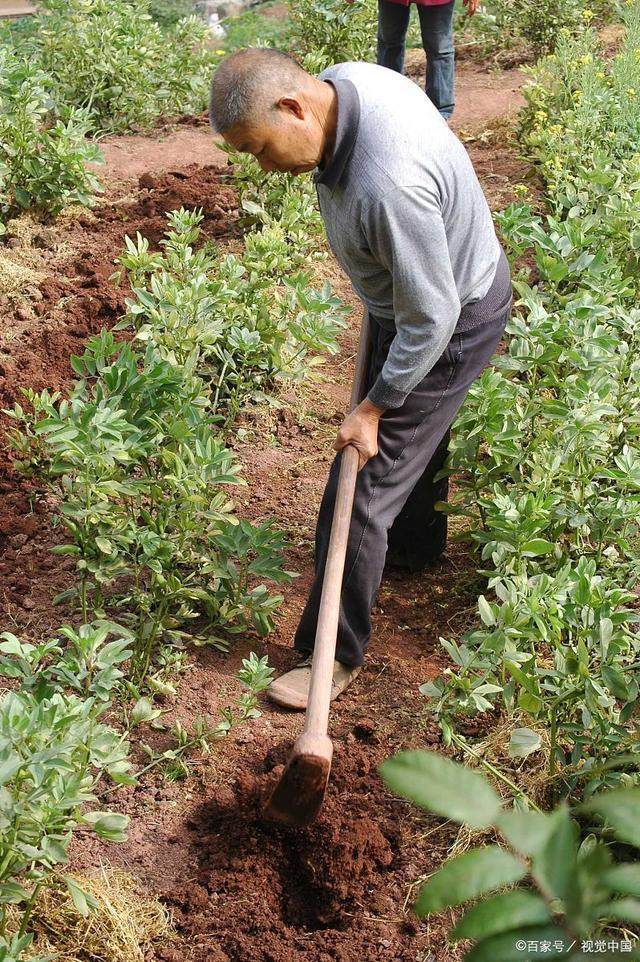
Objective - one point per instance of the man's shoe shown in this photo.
(292, 690)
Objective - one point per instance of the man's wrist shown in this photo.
(371, 410)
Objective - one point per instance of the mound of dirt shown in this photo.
(261, 892)
(39, 332)
(193, 187)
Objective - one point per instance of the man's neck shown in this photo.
(328, 119)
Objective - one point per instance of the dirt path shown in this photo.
(190, 142)
(243, 890)
(481, 97)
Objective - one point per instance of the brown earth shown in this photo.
(243, 890)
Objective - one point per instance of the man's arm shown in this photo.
(406, 234)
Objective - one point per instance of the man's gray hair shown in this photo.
(248, 84)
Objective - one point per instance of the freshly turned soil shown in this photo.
(243, 889)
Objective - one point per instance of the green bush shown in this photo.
(582, 112)
(539, 22)
(242, 321)
(142, 484)
(42, 158)
(518, 31)
(325, 32)
(255, 28)
(168, 12)
(53, 750)
(548, 439)
(558, 889)
(110, 58)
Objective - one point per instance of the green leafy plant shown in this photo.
(141, 484)
(581, 103)
(519, 31)
(557, 892)
(548, 443)
(257, 28)
(560, 650)
(169, 12)
(241, 322)
(42, 157)
(255, 676)
(112, 59)
(332, 31)
(53, 750)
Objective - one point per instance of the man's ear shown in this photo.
(292, 106)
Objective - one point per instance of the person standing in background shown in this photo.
(436, 27)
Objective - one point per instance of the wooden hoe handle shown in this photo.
(317, 717)
(297, 798)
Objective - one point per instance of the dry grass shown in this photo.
(14, 276)
(530, 774)
(497, 132)
(123, 927)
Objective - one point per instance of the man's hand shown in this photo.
(360, 428)
(472, 6)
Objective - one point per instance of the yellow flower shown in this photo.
(586, 59)
(521, 190)
(588, 15)
(601, 75)
(541, 115)
(220, 53)
(631, 91)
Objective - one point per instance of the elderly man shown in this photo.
(407, 220)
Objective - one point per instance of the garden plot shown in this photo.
(72, 297)
(239, 889)
(242, 890)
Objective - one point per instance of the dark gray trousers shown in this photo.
(395, 492)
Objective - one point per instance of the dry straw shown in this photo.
(123, 928)
(531, 774)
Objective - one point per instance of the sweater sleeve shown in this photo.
(405, 233)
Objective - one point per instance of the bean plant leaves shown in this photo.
(523, 742)
(504, 912)
(441, 786)
(469, 876)
(526, 832)
(83, 901)
(485, 611)
(627, 910)
(621, 812)
(624, 879)
(553, 865)
(537, 546)
(109, 825)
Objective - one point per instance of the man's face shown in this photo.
(292, 144)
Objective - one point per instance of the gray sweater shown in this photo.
(405, 217)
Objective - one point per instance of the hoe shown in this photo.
(297, 798)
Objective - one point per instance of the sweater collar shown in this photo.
(346, 133)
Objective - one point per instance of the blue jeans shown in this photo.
(436, 27)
